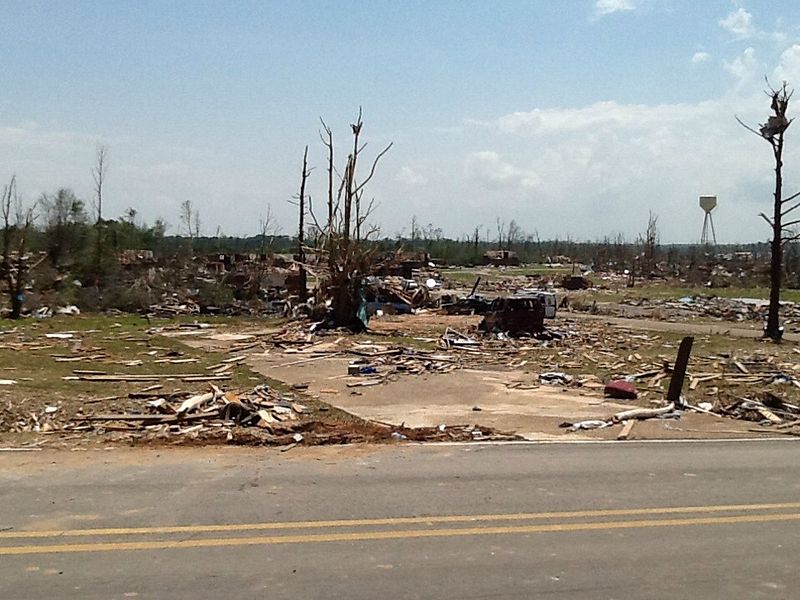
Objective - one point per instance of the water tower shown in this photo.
(708, 204)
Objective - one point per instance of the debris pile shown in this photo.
(765, 408)
(397, 295)
(261, 416)
(172, 306)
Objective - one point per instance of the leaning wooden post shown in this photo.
(679, 371)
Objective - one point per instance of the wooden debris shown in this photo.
(195, 401)
(740, 366)
(627, 427)
(190, 377)
(643, 413)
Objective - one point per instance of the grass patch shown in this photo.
(121, 345)
(111, 344)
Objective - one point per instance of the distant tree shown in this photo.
(14, 266)
(190, 220)
(649, 242)
(476, 240)
(130, 215)
(64, 222)
(430, 235)
(514, 235)
(501, 231)
(99, 172)
(415, 232)
(268, 228)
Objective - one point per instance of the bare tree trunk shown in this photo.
(773, 132)
(16, 307)
(99, 175)
(301, 255)
(773, 330)
(329, 145)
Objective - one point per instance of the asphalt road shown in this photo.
(620, 520)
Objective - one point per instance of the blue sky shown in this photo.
(574, 118)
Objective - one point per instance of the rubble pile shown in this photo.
(398, 295)
(504, 285)
(765, 409)
(171, 306)
(261, 416)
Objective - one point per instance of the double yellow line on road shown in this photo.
(397, 534)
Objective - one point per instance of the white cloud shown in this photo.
(595, 118)
(739, 23)
(594, 170)
(491, 171)
(700, 57)
(745, 66)
(788, 68)
(607, 7)
(33, 135)
(409, 176)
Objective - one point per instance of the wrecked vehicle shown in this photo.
(548, 300)
(515, 315)
(471, 305)
(574, 283)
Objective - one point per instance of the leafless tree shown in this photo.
(99, 172)
(501, 232)
(190, 219)
(514, 235)
(301, 205)
(415, 232)
(346, 245)
(14, 267)
(430, 235)
(268, 228)
(649, 242)
(327, 140)
(773, 132)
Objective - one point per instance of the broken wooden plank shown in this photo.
(367, 383)
(234, 359)
(769, 415)
(740, 366)
(644, 413)
(195, 401)
(192, 377)
(627, 427)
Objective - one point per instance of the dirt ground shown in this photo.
(504, 392)
(454, 398)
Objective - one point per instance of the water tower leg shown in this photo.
(713, 233)
(704, 234)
